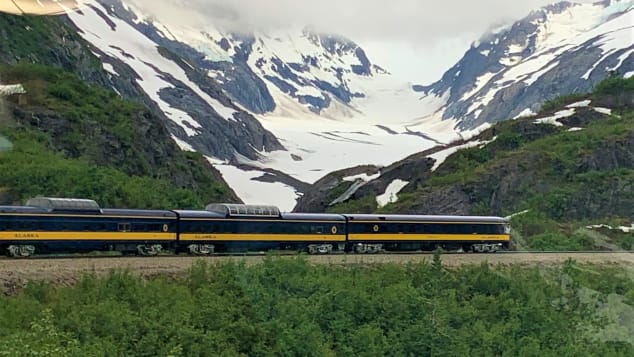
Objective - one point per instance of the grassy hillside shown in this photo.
(78, 140)
(562, 179)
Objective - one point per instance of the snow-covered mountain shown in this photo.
(326, 104)
(559, 49)
(276, 111)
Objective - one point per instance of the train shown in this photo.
(46, 225)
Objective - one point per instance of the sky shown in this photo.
(416, 40)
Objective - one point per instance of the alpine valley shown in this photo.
(294, 114)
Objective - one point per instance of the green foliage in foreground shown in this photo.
(289, 307)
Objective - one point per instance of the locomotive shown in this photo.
(55, 225)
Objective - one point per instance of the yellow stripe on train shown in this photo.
(35, 236)
(427, 237)
(251, 237)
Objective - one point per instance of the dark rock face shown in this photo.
(415, 169)
(219, 137)
(318, 196)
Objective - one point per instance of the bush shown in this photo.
(289, 307)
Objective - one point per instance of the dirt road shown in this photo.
(15, 273)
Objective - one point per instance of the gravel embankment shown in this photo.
(15, 273)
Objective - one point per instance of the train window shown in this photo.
(139, 227)
(412, 228)
(479, 228)
(154, 227)
(317, 229)
(124, 227)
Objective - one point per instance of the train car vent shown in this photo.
(239, 210)
(64, 204)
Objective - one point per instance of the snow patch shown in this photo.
(575, 129)
(583, 103)
(480, 82)
(553, 119)
(535, 76)
(258, 192)
(517, 213)
(363, 177)
(109, 68)
(182, 145)
(9, 89)
(525, 113)
(624, 229)
(391, 191)
(510, 60)
(513, 48)
(442, 155)
(601, 110)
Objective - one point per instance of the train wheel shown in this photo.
(361, 248)
(149, 250)
(319, 248)
(201, 249)
(21, 251)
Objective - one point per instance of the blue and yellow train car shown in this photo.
(46, 225)
(237, 227)
(368, 233)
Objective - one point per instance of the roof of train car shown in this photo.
(424, 218)
(137, 212)
(283, 216)
(102, 212)
(314, 216)
(22, 209)
(197, 214)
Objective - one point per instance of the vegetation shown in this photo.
(288, 307)
(559, 102)
(364, 204)
(74, 139)
(30, 170)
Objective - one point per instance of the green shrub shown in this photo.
(289, 307)
(560, 102)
